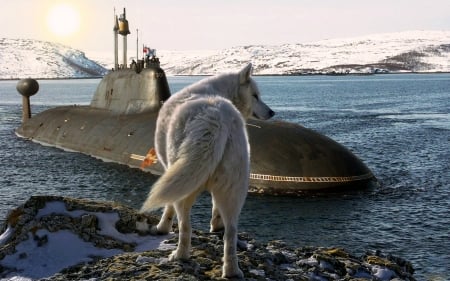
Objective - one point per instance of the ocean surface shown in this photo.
(399, 125)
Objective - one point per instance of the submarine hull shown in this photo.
(119, 126)
(123, 139)
(286, 158)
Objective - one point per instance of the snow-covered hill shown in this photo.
(413, 51)
(22, 58)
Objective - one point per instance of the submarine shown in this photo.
(119, 126)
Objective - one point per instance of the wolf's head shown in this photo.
(248, 101)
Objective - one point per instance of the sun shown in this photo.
(63, 20)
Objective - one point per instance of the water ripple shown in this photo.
(398, 127)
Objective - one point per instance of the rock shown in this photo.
(58, 238)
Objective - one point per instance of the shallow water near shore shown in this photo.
(399, 125)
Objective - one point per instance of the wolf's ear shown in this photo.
(245, 73)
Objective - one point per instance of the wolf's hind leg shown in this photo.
(183, 209)
(230, 208)
(216, 219)
(165, 223)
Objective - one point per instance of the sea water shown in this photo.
(399, 125)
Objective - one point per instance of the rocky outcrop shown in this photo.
(57, 238)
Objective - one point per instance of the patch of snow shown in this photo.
(258, 272)
(107, 222)
(5, 235)
(383, 273)
(326, 265)
(57, 207)
(309, 261)
(61, 249)
(17, 278)
(316, 277)
(141, 259)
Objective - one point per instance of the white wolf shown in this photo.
(202, 143)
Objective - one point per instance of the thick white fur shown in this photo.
(202, 143)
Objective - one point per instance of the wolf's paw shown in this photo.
(178, 255)
(216, 224)
(214, 229)
(154, 230)
(232, 272)
(163, 228)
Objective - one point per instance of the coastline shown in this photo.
(107, 240)
(262, 75)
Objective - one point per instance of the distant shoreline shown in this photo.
(262, 75)
(47, 78)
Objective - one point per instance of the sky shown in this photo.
(210, 25)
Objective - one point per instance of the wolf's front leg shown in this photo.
(165, 224)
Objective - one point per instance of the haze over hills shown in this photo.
(413, 51)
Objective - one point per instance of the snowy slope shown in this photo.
(413, 51)
(422, 51)
(22, 58)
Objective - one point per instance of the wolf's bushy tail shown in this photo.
(189, 172)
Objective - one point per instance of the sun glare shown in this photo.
(63, 20)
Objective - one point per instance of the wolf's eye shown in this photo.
(256, 96)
